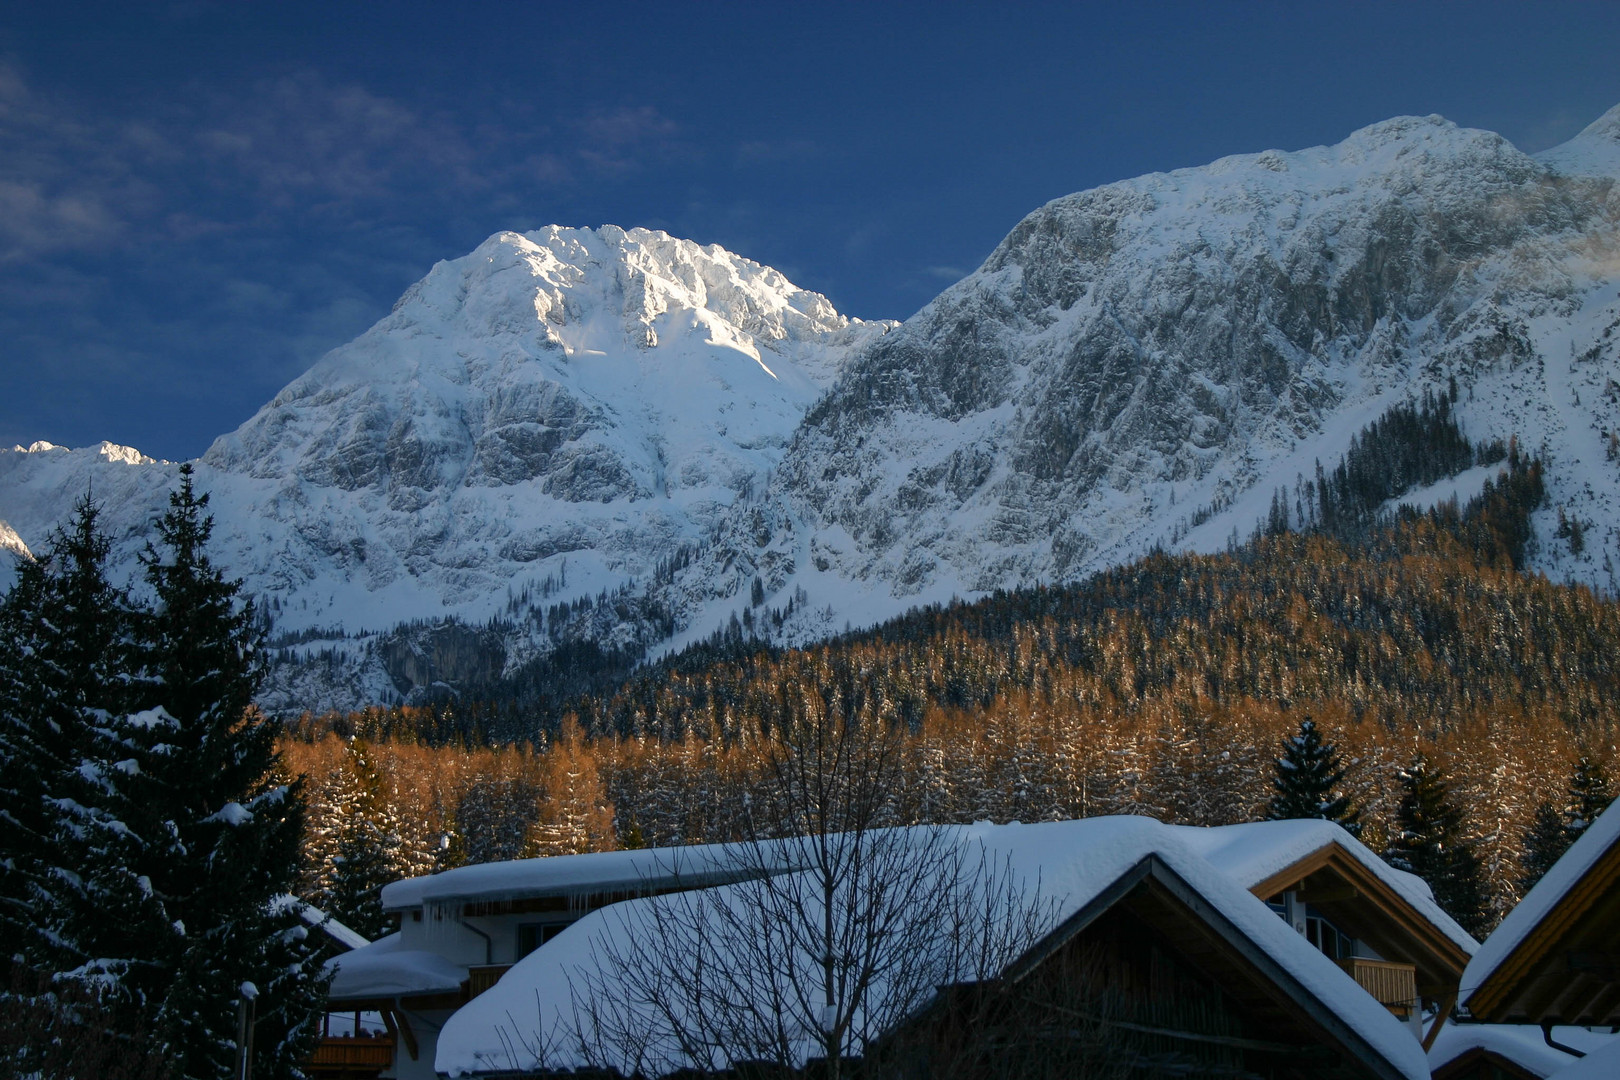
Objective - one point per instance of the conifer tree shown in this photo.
(1551, 832)
(1589, 796)
(149, 854)
(1429, 841)
(495, 816)
(70, 904)
(235, 830)
(31, 751)
(451, 852)
(1544, 842)
(1305, 778)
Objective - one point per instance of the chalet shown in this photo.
(461, 930)
(1547, 976)
(1191, 973)
(1298, 952)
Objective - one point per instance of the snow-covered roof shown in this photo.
(323, 922)
(1074, 862)
(1521, 1044)
(1601, 1064)
(1582, 855)
(568, 875)
(1258, 851)
(1249, 854)
(382, 969)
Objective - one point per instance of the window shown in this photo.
(533, 935)
(1327, 937)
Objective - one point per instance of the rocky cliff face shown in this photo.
(1144, 363)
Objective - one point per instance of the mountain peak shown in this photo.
(642, 274)
(1594, 152)
(1193, 338)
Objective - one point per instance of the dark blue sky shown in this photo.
(198, 199)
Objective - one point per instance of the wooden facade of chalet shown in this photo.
(1146, 980)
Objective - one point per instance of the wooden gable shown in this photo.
(1367, 907)
(1148, 976)
(1481, 1064)
(1566, 970)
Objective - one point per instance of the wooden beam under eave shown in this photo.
(1572, 999)
(404, 1030)
(1440, 1018)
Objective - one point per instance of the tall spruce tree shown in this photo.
(1430, 842)
(235, 830)
(33, 751)
(83, 927)
(1306, 778)
(1544, 842)
(65, 677)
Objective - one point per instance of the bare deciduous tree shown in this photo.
(838, 926)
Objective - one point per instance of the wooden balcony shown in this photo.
(347, 1057)
(483, 977)
(1393, 984)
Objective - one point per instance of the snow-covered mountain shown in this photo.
(574, 415)
(546, 418)
(1145, 363)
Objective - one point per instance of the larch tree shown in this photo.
(575, 815)
(366, 854)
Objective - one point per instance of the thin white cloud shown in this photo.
(623, 139)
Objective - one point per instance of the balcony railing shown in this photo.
(337, 1056)
(1393, 984)
(483, 977)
